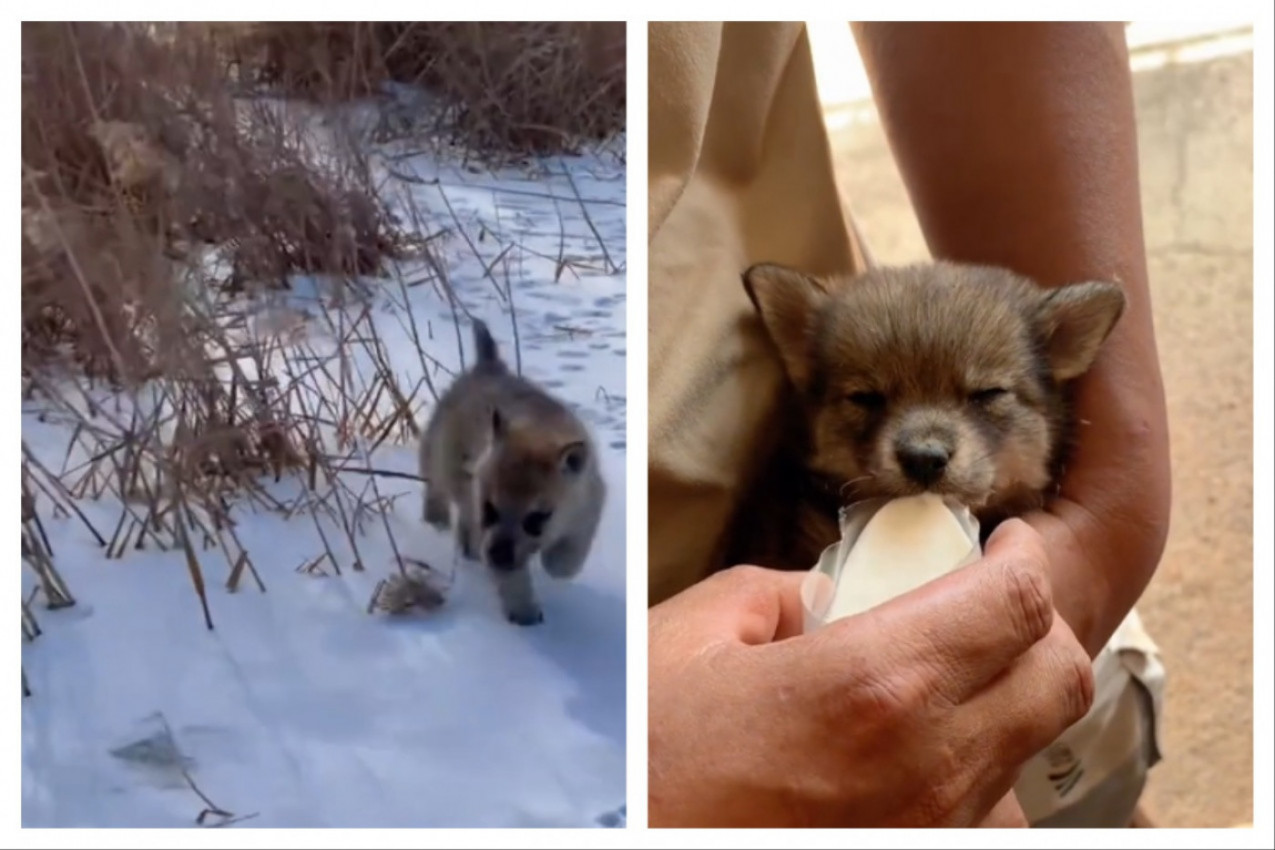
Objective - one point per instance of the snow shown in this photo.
(301, 709)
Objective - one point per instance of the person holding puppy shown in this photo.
(1017, 145)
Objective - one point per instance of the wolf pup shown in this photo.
(940, 377)
(522, 472)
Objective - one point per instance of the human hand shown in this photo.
(916, 713)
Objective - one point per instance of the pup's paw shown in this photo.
(436, 511)
(528, 615)
(465, 542)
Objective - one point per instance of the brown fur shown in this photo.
(962, 366)
(522, 473)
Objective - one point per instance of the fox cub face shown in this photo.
(941, 377)
(526, 477)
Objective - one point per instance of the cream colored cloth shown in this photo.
(740, 173)
(1094, 774)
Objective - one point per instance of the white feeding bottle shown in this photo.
(887, 548)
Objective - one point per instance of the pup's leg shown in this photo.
(565, 558)
(438, 512)
(466, 533)
(518, 597)
(467, 528)
(435, 506)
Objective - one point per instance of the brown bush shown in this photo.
(508, 87)
(135, 158)
(134, 153)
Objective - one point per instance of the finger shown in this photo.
(961, 631)
(1042, 694)
(746, 604)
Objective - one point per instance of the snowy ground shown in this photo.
(302, 710)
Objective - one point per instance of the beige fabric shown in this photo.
(1093, 775)
(739, 173)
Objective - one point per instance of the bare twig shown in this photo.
(584, 209)
(384, 473)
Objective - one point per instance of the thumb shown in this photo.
(745, 604)
(1014, 539)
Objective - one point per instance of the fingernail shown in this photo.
(1007, 528)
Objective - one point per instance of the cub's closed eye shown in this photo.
(989, 395)
(534, 523)
(490, 515)
(867, 400)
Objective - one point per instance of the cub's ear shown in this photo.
(787, 301)
(572, 458)
(1075, 321)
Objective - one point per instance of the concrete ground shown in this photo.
(1195, 124)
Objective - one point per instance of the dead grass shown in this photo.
(530, 87)
(135, 158)
(138, 168)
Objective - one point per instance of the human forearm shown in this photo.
(1018, 146)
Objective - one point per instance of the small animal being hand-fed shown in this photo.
(522, 473)
(942, 378)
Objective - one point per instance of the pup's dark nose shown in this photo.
(500, 554)
(923, 462)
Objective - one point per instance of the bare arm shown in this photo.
(1018, 146)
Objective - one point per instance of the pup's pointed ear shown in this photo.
(786, 300)
(1076, 320)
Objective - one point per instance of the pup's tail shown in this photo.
(485, 347)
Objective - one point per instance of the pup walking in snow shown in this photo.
(522, 473)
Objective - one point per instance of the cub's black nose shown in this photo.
(923, 462)
(500, 554)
